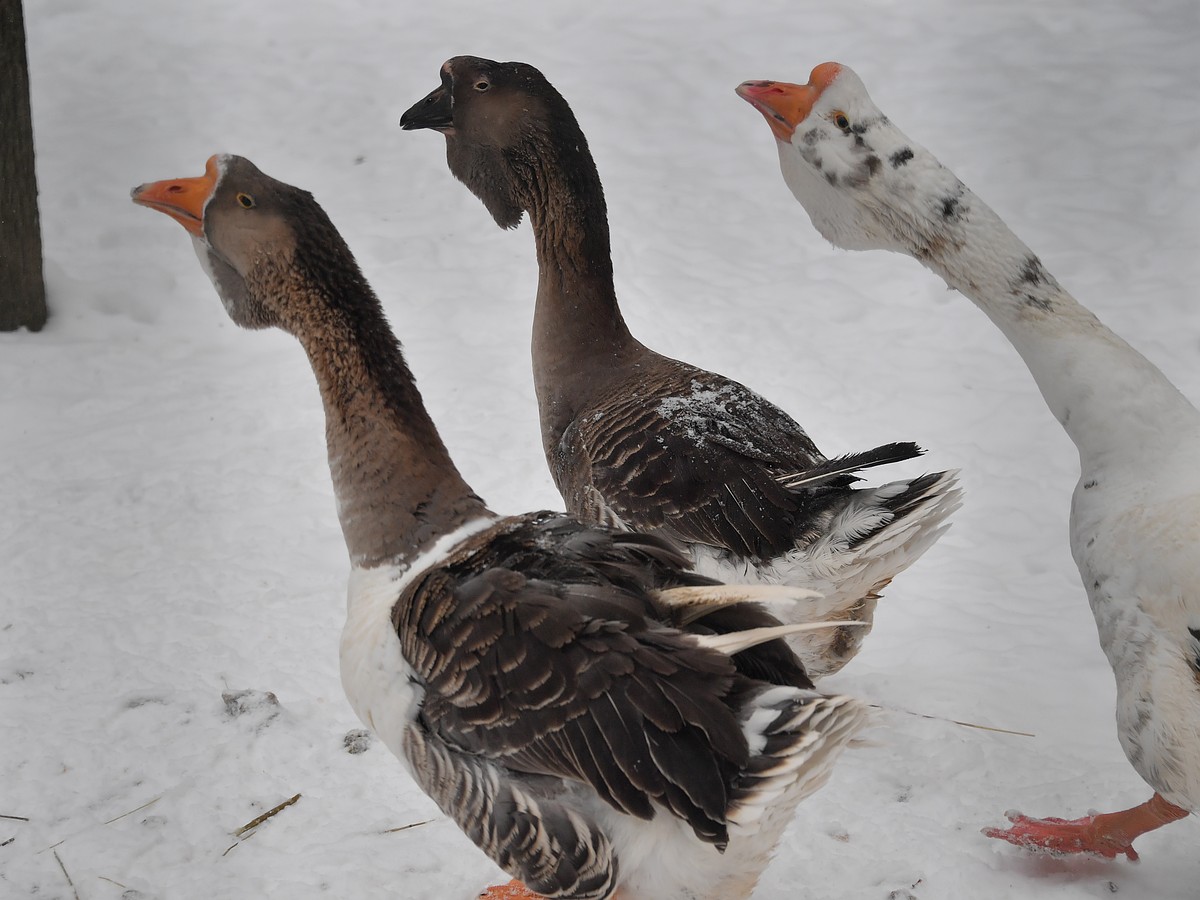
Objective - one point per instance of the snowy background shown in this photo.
(167, 526)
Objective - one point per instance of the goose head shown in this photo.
(864, 184)
(501, 120)
(252, 234)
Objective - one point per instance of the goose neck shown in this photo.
(397, 489)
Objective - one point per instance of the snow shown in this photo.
(168, 531)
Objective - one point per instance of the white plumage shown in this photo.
(1135, 515)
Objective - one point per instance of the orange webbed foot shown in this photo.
(1062, 836)
(514, 890)
(1101, 834)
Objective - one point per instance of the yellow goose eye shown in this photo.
(840, 119)
(246, 200)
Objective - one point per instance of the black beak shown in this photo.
(434, 111)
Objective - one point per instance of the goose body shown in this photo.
(597, 718)
(638, 440)
(1135, 513)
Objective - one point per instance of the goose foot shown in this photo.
(1102, 834)
(514, 890)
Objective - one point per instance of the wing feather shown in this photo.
(697, 456)
(536, 660)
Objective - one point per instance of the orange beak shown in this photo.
(182, 199)
(785, 105)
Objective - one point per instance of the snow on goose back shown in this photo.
(637, 439)
(592, 714)
(1135, 516)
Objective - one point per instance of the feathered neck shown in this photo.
(397, 489)
(579, 335)
(1107, 396)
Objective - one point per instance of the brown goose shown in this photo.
(638, 440)
(597, 718)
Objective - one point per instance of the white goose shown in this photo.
(598, 719)
(1135, 516)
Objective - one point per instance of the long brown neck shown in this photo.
(579, 335)
(396, 486)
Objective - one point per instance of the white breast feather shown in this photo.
(378, 681)
(1134, 555)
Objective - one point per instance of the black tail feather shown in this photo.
(850, 463)
(918, 489)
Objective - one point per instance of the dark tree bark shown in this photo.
(22, 290)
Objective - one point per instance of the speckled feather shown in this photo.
(638, 440)
(555, 694)
(701, 458)
(529, 670)
(528, 624)
(1135, 513)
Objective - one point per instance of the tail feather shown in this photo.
(684, 605)
(850, 463)
(736, 641)
(875, 535)
(795, 736)
(876, 517)
(940, 487)
(879, 535)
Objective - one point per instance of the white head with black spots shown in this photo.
(865, 185)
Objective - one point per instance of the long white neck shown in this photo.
(1105, 394)
(883, 191)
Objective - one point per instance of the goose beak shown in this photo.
(183, 199)
(433, 111)
(785, 105)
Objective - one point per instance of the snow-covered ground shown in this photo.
(167, 528)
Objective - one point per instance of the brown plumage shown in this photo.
(639, 440)
(544, 679)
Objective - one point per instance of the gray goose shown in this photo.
(638, 440)
(1135, 514)
(598, 719)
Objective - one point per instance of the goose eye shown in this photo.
(481, 86)
(246, 200)
(840, 119)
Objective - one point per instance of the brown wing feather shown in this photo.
(540, 652)
(697, 456)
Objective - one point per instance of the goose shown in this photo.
(597, 718)
(638, 440)
(1135, 512)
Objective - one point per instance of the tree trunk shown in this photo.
(22, 291)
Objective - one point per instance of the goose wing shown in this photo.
(704, 459)
(543, 658)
